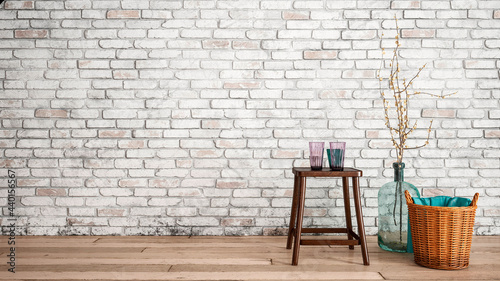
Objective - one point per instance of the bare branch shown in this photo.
(401, 98)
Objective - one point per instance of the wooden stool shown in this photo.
(299, 196)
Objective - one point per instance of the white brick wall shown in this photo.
(185, 117)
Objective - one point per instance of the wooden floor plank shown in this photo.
(114, 258)
(92, 275)
(463, 274)
(145, 261)
(78, 250)
(64, 267)
(279, 268)
(145, 245)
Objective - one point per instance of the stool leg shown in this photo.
(300, 216)
(293, 214)
(359, 216)
(347, 207)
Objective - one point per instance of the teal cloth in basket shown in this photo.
(438, 201)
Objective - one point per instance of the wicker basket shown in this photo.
(441, 236)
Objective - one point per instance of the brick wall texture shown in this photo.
(186, 117)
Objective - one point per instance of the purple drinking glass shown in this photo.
(316, 155)
(337, 152)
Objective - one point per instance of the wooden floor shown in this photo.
(223, 258)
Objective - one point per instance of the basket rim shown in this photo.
(464, 208)
(410, 202)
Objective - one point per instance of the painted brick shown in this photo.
(31, 33)
(19, 5)
(122, 14)
(288, 15)
(358, 35)
(111, 212)
(418, 33)
(320, 54)
(405, 5)
(213, 101)
(51, 113)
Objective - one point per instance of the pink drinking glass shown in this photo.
(337, 152)
(316, 155)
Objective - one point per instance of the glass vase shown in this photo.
(393, 211)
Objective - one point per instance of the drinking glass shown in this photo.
(336, 155)
(316, 155)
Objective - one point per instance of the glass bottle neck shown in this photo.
(399, 171)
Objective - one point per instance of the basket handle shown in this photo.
(409, 200)
(474, 200)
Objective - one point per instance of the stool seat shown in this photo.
(295, 229)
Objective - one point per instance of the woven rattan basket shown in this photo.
(441, 236)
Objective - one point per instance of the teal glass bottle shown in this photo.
(393, 211)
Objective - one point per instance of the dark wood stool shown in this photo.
(299, 196)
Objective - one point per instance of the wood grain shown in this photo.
(223, 258)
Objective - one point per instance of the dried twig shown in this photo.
(401, 94)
